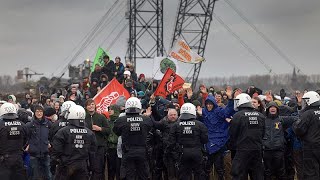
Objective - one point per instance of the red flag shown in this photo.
(109, 95)
(169, 83)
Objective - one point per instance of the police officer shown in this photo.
(190, 135)
(56, 126)
(13, 137)
(246, 132)
(307, 129)
(133, 128)
(74, 147)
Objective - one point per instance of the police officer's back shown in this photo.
(307, 129)
(13, 137)
(191, 135)
(73, 146)
(56, 126)
(133, 128)
(246, 132)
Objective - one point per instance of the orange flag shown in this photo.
(169, 83)
(109, 95)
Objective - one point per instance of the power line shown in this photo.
(110, 33)
(118, 35)
(88, 38)
(263, 36)
(251, 51)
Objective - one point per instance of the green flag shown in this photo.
(99, 58)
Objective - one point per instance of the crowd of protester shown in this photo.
(282, 149)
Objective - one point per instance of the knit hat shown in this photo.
(12, 97)
(49, 111)
(141, 94)
(142, 76)
(121, 101)
(196, 103)
(127, 73)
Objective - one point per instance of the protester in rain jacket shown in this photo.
(214, 117)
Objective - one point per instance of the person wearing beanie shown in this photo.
(50, 114)
(142, 85)
(12, 99)
(112, 157)
(126, 74)
(39, 145)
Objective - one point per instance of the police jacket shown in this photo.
(307, 127)
(13, 137)
(74, 143)
(39, 137)
(188, 133)
(215, 121)
(247, 129)
(134, 129)
(56, 126)
(101, 121)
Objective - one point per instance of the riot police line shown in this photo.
(257, 141)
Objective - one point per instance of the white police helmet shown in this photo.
(133, 106)
(188, 111)
(242, 100)
(76, 112)
(311, 97)
(65, 107)
(8, 111)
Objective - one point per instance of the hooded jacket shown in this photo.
(215, 121)
(275, 126)
(113, 138)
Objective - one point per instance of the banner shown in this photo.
(99, 58)
(182, 52)
(161, 64)
(169, 83)
(109, 95)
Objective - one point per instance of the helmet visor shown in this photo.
(236, 104)
(304, 103)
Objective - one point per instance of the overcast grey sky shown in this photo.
(41, 34)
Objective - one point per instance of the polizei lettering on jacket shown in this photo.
(187, 123)
(253, 119)
(78, 131)
(12, 123)
(134, 119)
(251, 114)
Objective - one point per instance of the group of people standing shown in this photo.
(182, 138)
